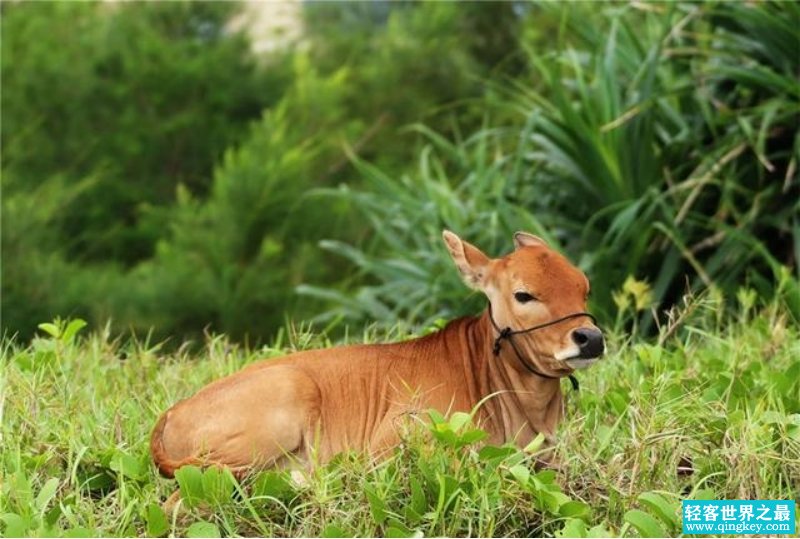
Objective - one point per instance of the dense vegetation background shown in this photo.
(160, 178)
(159, 175)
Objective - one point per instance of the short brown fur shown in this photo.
(352, 397)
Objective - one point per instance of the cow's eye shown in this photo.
(524, 297)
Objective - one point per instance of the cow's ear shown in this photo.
(470, 261)
(523, 239)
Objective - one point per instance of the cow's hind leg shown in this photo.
(249, 420)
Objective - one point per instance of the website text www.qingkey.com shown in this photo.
(738, 527)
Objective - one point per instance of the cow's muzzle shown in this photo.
(590, 342)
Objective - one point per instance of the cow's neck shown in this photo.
(525, 403)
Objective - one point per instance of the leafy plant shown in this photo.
(136, 97)
(633, 159)
(106, 112)
(63, 330)
(408, 274)
(613, 147)
(181, 226)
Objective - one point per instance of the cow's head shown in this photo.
(529, 287)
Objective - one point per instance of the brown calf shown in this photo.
(534, 332)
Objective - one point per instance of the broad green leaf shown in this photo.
(573, 527)
(443, 433)
(661, 507)
(52, 515)
(535, 444)
(96, 479)
(646, 525)
(46, 531)
(547, 477)
(22, 491)
(419, 501)
(473, 435)
(618, 402)
(436, 417)
(448, 485)
(157, 523)
(575, 509)
(15, 525)
(46, 494)
(521, 473)
(273, 484)
(50, 329)
(397, 529)
(331, 530)
(79, 532)
(376, 505)
(128, 466)
(24, 361)
(554, 500)
(203, 529)
(190, 481)
(218, 485)
(72, 329)
(458, 420)
(490, 453)
(599, 531)
(771, 416)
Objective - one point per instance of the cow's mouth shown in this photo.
(576, 357)
(578, 362)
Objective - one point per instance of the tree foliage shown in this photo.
(158, 175)
(135, 98)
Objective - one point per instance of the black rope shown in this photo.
(507, 333)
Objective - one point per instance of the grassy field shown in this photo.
(710, 410)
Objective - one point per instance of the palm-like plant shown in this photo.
(660, 143)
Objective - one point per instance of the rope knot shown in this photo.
(504, 334)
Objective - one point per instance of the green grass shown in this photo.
(721, 397)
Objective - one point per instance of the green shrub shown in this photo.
(637, 142)
(106, 110)
(226, 254)
(656, 144)
(662, 163)
(231, 261)
(141, 97)
(33, 266)
(405, 272)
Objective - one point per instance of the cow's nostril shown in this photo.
(580, 337)
(589, 341)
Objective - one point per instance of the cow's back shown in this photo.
(325, 401)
